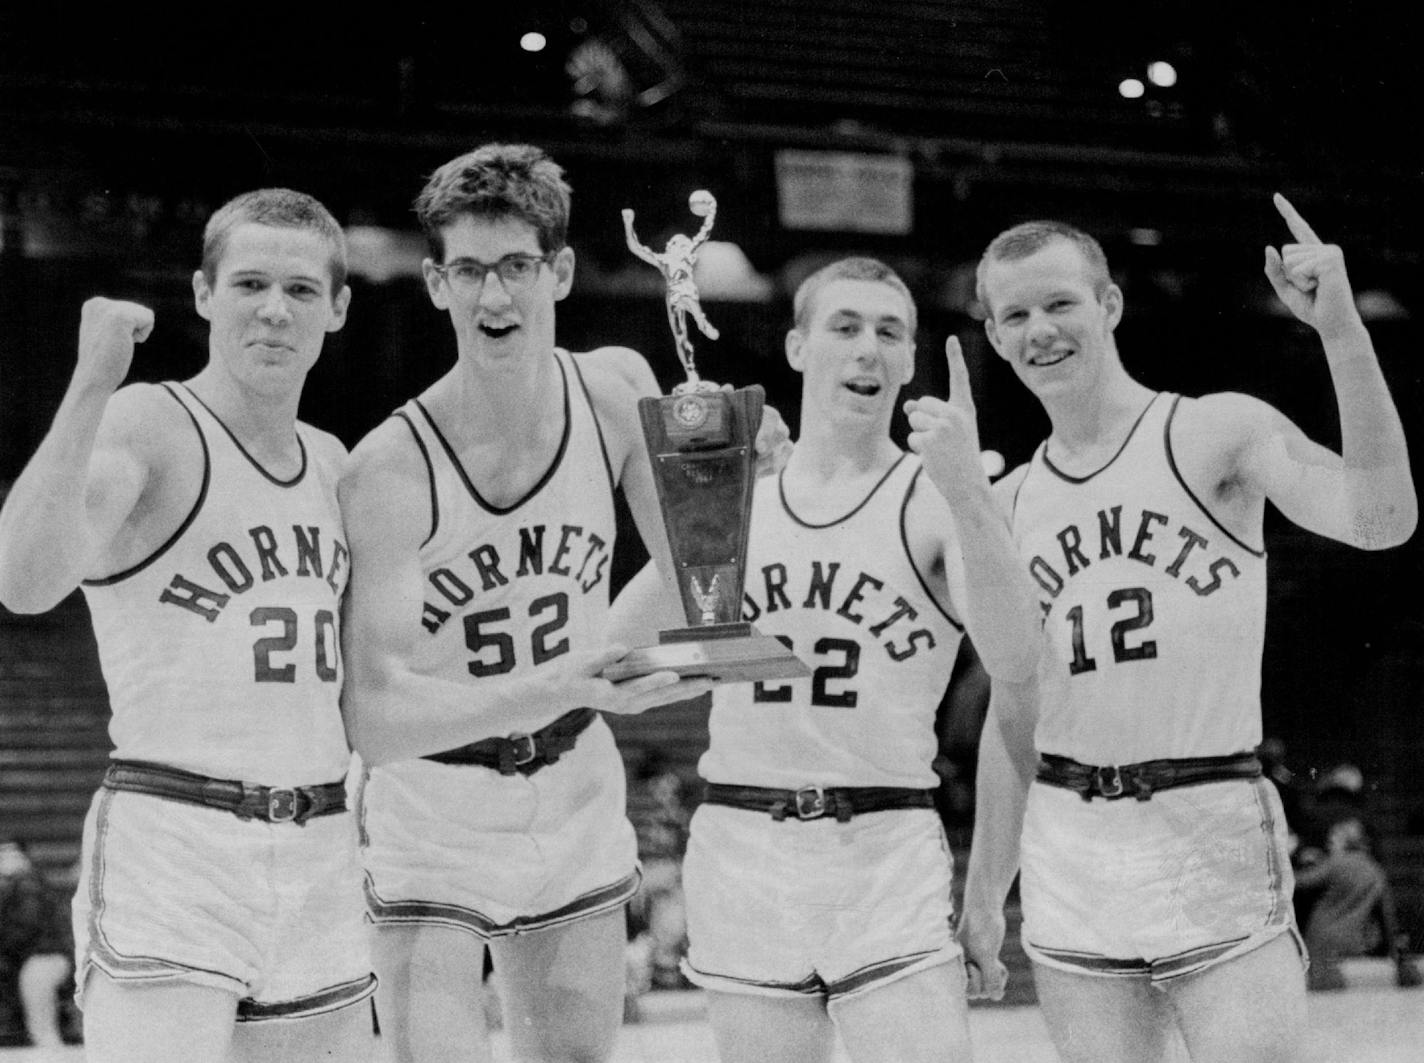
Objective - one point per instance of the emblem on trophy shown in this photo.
(701, 446)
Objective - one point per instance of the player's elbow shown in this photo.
(1386, 526)
(21, 592)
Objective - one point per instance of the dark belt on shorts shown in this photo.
(522, 753)
(1143, 780)
(274, 804)
(813, 802)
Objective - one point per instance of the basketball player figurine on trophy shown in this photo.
(700, 442)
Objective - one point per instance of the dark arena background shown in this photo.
(912, 130)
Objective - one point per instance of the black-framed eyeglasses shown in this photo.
(514, 271)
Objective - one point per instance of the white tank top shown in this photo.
(851, 603)
(1154, 614)
(221, 651)
(509, 588)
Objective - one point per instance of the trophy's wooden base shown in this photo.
(724, 653)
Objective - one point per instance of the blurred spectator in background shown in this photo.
(1353, 912)
(1290, 786)
(657, 924)
(35, 947)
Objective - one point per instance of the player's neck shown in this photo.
(265, 425)
(1088, 425)
(826, 457)
(518, 401)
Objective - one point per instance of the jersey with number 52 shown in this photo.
(1153, 613)
(221, 651)
(511, 588)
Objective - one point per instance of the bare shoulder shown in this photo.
(329, 451)
(147, 424)
(616, 374)
(387, 479)
(1214, 430)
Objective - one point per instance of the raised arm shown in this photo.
(393, 712)
(1364, 496)
(706, 230)
(85, 479)
(983, 571)
(635, 245)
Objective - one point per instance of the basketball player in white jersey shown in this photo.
(482, 527)
(818, 877)
(1156, 884)
(219, 912)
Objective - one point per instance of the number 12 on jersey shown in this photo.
(1140, 597)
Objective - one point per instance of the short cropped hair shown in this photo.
(1030, 237)
(849, 269)
(497, 181)
(283, 209)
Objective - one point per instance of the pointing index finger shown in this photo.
(959, 391)
(1298, 226)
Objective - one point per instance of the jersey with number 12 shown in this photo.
(1153, 613)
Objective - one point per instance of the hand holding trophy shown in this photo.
(700, 443)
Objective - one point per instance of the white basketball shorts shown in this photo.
(1162, 888)
(816, 907)
(273, 912)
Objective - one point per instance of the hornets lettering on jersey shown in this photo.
(303, 560)
(1202, 576)
(489, 569)
(862, 599)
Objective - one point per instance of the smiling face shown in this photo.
(492, 322)
(1047, 321)
(855, 351)
(270, 305)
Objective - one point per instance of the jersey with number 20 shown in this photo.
(221, 651)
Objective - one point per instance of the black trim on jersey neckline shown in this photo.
(781, 491)
(910, 557)
(1176, 472)
(1048, 462)
(602, 443)
(480, 500)
(301, 445)
(107, 581)
(430, 474)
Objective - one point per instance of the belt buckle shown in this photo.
(281, 805)
(526, 748)
(1109, 781)
(810, 802)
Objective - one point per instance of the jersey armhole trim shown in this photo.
(430, 475)
(593, 416)
(108, 581)
(1182, 480)
(910, 557)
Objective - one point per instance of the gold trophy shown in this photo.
(701, 446)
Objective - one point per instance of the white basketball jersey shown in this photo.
(221, 651)
(1154, 614)
(848, 599)
(509, 588)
